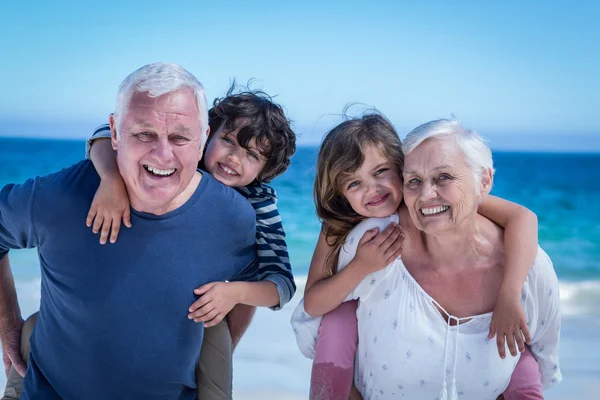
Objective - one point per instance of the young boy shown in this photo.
(250, 143)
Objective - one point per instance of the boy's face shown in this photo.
(230, 163)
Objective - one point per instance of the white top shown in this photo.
(406, 348)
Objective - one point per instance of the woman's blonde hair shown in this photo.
(340, 155)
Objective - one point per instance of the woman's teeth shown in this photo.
(435, 210)
(161, 172)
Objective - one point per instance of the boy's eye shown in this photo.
(253, 155)
(227, 140)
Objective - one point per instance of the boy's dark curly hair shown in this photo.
(262, 119)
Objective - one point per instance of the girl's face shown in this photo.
(375, 188)
(230, 163)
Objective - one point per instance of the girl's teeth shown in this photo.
(435, 210)
(228, 170)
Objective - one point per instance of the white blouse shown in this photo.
(408, 350)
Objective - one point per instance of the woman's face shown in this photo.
(439, 187)
(375, 188)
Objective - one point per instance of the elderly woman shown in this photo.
(424, 319)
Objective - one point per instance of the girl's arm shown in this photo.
(520, 249)
(111, 202)
(375, 251)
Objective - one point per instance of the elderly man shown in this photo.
(113, 320)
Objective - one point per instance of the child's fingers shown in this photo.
(526, 334)
(396, 244)
(208, 316)
(391, 237)
(383, 239)
(127, 217)
(98, 220)
(492, 331)
(204, 288)
(368, 236)
(105, 231)
(510, 339)
(90, 217)
(520, 342)
(116, 226)
(201, 302)
(500, 344)
(201, 312)
(214, 321)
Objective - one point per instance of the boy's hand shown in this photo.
(376, 250)
(110, 205)
(508, 319)
(216, 300)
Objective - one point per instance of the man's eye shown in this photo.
(143, 136)
(380, 171)
(180, 139)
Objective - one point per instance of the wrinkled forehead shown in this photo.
(175, 108)
(434, 154)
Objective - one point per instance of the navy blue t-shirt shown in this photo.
(113, 319)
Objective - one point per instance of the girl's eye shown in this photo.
(253, 155)
(380, 171)
(352, 184)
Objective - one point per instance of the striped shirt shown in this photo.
(273, 258)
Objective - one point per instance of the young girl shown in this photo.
(348, 170)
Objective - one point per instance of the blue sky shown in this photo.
(524, 74)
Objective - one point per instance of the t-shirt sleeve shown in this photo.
(542, 302)
(17, 230)
(367, 286)
(273, 258)
(101, 132)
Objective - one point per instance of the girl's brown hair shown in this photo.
(340, 155)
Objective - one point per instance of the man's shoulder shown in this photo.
(224, 199)
(73, 175)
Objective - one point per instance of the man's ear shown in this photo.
(114, 138)
(204, 141)
(486, 180)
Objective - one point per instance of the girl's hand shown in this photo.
(216, 300)
(508, 320)
(109, 207)
(376, 250)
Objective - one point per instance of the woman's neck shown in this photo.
(454, 248)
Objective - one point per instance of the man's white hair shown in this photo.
(474, 148)
(158, 79)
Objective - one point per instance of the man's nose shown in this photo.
(163, 149)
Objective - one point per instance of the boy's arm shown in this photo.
(111, 203)
(520, 249)
(271, 248)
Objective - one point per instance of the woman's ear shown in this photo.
(486, 180)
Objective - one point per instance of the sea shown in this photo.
(561, 188)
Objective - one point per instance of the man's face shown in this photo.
(158, 148)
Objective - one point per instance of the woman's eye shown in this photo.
(444, 177)
(413, 182)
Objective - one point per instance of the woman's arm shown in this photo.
(520, 249)
(375, 251)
